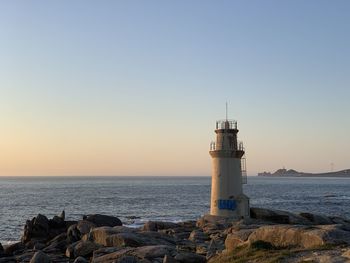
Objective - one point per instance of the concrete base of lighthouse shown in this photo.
(240, 209)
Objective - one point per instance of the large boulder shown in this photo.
(85, 248)
(141, 254)
(37, 227)
(43, 229)
(81, 248)
(40, 257)
(126, 240)
(237, 238)
(121, 236)
(287, 236)
(103, 220)
(101, 235)
(57, 243)
(139, 239)
(300, 236)
(77, 231)
(277, 216)
(317, 219)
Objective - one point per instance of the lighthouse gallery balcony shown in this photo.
(218, 146)
(226, 125)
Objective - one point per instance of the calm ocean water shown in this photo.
(155, 198)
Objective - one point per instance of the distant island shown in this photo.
(293, 173)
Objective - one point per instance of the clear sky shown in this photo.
(135, 87)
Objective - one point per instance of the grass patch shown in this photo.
(260, 251)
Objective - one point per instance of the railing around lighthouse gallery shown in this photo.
(226, 124)
(214, 146)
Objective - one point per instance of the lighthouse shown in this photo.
(228, 173)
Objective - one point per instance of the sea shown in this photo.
(136, 200)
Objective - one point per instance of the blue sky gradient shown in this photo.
(135, 87)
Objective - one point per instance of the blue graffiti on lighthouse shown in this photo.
(227, 204)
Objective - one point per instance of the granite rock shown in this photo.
(277, 216)
(103, 220)
(40, 257)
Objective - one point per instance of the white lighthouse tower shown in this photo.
(228, 173)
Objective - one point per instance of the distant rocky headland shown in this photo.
(268, 236)
(293, 173)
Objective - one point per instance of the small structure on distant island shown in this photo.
(228, 173)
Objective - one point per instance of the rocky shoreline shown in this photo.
(268, 236)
